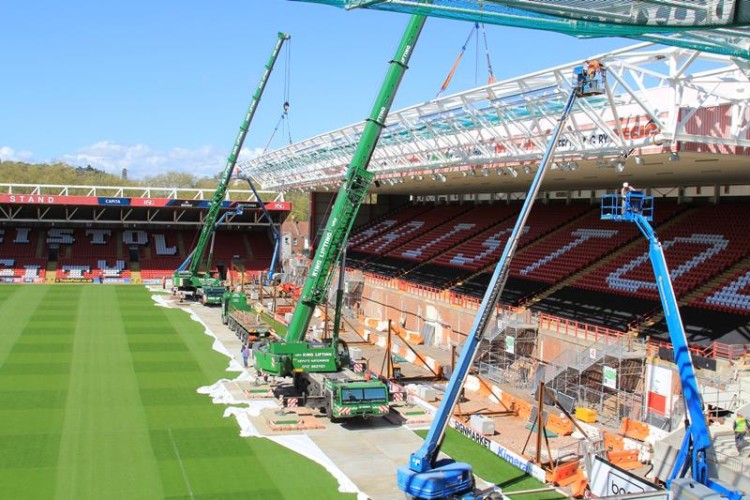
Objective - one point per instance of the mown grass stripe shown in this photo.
(17, 306)
(182, 466)
(106, 427)
(105, 447)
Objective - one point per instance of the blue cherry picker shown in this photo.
(426, 476)
(634, 206)
(188, 277)
(430, 478)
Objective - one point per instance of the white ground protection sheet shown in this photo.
(219, 394)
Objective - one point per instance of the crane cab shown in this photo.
(589, 79)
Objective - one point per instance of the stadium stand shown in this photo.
(732, 295)
(616, 312)
(20, 256)
(447, 234)
(381, 224)
(77, 254)
(543, 220)
(159, 267)
(475, 253)
(568, 245)
(164, 243)
(703, 327)
(261, 251)
(571, 249)
(698, 247)
(22, 269)
(407, 230)
(384, 251)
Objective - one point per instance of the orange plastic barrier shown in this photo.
(563, 474)
(559, 425)
(634, 429)
(578, 484)
(626, 459)
(613, 442)
(521, 407)
(414, 338)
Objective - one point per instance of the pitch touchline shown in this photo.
(182, 467)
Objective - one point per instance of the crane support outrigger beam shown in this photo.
(425, 476)
(187, 276)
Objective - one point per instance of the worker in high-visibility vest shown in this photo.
(740, 429)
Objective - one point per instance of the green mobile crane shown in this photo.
(320, 370)
(188, 277)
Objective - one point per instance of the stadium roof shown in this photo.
(655, 105)
(717, 26)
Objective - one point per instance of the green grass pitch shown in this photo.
(491, 468)
(97, 400)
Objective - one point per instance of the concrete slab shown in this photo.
(369, 453)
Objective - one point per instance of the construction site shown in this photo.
(535, 288)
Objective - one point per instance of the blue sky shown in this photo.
(163, 85)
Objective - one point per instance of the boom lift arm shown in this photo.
(637, 208)
(425, 476)
(276, 235)
(187, 275)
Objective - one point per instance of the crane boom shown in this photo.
(352, 191)
(187, 275)
(425, 476)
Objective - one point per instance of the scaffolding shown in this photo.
(506, 355)
(606, 376)
(354, 285)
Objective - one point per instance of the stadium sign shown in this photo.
(46, 199)
(501, 451)
(610, 481)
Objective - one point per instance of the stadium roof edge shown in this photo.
(482, 127)
(132, 192)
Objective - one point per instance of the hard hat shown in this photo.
(624, 184)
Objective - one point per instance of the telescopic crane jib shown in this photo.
(308, 362)
(188, 277)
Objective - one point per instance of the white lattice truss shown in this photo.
(506, 124)
(132, 192)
